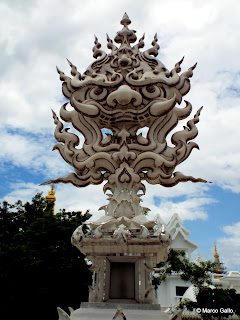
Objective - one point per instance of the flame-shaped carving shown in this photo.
(124, 91)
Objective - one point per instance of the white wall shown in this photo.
(166, 292)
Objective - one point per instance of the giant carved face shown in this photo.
(126, 86)
(124, 91)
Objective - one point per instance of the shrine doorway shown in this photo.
(122, 280)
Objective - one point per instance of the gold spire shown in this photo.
(216, 256)
(51, 196)
(219, 265)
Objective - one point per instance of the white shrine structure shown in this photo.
(170, 292)
(120, 93)
(173, 288)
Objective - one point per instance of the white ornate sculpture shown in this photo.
(120, 93)
(124, 91)
(122, 234)
(77, 236)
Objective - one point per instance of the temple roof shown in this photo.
(231, 275)
(177, 231)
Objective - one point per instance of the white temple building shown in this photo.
(180, 236)
(173, 289)
(229, 280)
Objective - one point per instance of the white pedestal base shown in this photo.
(109, 311)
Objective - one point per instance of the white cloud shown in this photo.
(38, 35)
(92, 198)
(229, 246)
(233, 230)
(24, 192)
(34, 43)
(67, 196)
(188, 199)
(31, 153)
(189, 209)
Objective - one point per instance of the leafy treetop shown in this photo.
(40, 269)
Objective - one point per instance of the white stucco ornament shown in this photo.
(77, 235)
(120, 93)
(122, 234)
(124, 91)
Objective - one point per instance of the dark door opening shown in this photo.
(122, 280)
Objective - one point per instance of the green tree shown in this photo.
(196, 273)
(40, 269)
(199, 274)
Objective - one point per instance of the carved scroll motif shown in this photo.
(119, 94)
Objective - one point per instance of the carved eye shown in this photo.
(150, 88)
(98, 93)
(151, 91)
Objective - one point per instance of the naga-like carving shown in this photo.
(120, 93)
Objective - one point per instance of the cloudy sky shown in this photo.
(38, 35)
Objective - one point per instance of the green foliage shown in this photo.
(39, 268)
(214, 298)
(199, 274)
(176, 262)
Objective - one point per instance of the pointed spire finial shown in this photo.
(216, 255)
(52, 189)
(51, 196)
(125, 20)
(125, 36)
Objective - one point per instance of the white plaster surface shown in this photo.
(108, 314)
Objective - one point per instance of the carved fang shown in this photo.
(161, 107)
(88, 109)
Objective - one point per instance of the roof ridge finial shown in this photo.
(52, 191)
(216, 255)
(51, 196)
(125, 20)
